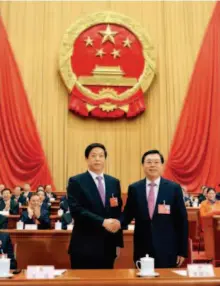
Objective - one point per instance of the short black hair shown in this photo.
(92, 146)
(6, 189)
(152, 152)
(211, 189)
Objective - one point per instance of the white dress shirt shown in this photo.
(94, 176)
(156, 188)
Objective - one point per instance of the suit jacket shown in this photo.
(14, 207)
(89, 237)
(21, 199)
(51, 195)
(7, 248)
(66, 219)
(64, 205)
(165, 235)
(44, 220)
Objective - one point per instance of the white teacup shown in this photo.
(146, 265)
(4, 266)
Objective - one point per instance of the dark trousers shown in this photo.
(81, 262)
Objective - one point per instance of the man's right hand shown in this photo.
(111, 225)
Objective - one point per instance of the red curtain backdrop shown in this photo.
(21, 156)
(194, 158)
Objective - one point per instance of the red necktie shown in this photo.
(151, 199)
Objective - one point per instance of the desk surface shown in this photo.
(115, 277)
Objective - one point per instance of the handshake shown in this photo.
(111, 225)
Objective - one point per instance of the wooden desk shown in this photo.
(117, 277)
(46, 247)
(211, 227)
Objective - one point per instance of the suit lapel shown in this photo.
(160, 195)
(92, 191)
(143, 198)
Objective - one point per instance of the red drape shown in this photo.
(21, 156)
(194, 158)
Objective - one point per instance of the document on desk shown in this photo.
(59, 272)
(180, 272)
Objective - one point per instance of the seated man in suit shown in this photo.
(18, 196)
(27, 192)
(161, 225)
(64, 204)
(202, 197)
(35, 214)
(6, 247)
(49, 193)
(7, 204)
(44, 200)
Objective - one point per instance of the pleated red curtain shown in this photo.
(21, 155)
(194, 158)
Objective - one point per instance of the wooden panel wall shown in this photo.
(35, 30)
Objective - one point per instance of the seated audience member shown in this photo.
(3, 222)
(210, 206)
(27, 192)
(6, 247)
(7, 204)
(35, 214)
(18, 196)
(64, 204)
(66, 219)
(202, 197)
(187, 200)
(44, 200)
(49, 193)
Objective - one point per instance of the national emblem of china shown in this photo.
(107, 63)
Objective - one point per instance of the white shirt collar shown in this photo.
(157, 181)
(94, 175)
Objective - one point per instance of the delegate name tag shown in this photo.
(40, 272)
(164, 209)
(113, 202)
(200, 270)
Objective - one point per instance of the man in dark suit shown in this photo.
(7, 204)
(18, 196)
(156, 204)
(49, 193)
(36, 214)
(66, 219)
(64, 204)
(7, 248)
(95, 204)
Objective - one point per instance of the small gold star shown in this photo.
(115, 53)
(108, 35)
(89, 41)
(100, 53)
(127, 42)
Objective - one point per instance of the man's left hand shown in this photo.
(180, 260)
